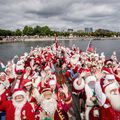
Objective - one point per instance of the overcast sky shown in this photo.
(76, 14)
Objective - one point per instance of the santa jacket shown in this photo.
(27, 112)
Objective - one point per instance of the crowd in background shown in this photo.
(61, 83)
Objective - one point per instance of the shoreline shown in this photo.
(52, 39)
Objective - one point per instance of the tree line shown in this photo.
(46, 31)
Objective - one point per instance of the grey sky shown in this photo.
(75, 14)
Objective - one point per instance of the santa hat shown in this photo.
(52, 82)
(2, 73)
(18, 92)
(106, 70)
(46, 90)
(77, 86)
(90, 79)
(110, 87)
(47, 68)
(110, 77)
(108, 61)
(26, 82)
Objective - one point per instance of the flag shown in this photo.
(2, 66)
(90, 47)
(56, 43)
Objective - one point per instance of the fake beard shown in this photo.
(18, 107)
(115, 101)
(49, 106)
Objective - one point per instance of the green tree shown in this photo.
(45, 31)
(37, 30)
(18, 32)
(28, 30)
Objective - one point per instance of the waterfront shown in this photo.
(9, 50)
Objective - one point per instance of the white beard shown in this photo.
(18, 107)
(49, 106)
(115, 101)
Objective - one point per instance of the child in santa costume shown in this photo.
(18, 108)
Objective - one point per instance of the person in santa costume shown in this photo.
(5, 92)
(103, 89)
(28, 72)
(47, 75)
(33, 95)
(78, 85)
(19, 70)
(53, 106)
(18, 108)
(91, 99)
(110, 110)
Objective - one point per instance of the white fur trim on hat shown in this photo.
(28, 83)
(78, 87)
(90, 78)
(52, 82)
(20, 67)
(18, 93)
(110, 77)
(110, 87)
(47, 67)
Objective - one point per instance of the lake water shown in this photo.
(9, 50)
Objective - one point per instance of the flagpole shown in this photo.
(56, 43)
(88, 44)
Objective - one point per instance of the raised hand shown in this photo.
(64, 89)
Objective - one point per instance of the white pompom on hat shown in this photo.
(52, 82)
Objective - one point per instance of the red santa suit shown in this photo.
(5, 88)
(14, 111)
(106, 109)
(62, 107)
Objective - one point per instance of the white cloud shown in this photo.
(60, 13)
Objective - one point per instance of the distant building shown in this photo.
(88, 30)
(80, 31)
(70, 30)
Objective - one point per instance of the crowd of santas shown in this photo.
(52, 83)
